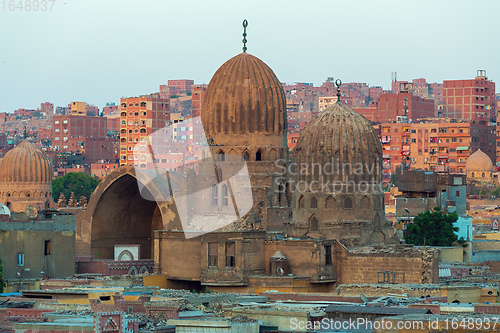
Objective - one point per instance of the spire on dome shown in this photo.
(245, 25)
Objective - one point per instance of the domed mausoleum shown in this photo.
(244, 114)
(26, 178)
(479, 166)
(338, 189)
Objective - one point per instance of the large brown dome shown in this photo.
(26, 163)
(343, 137)
(479, 161)
(244, 97)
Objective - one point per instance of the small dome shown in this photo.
(344, 143)
(244, 96)
(26, 163)
(479, 161)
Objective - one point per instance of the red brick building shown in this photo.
(140, 117)
(47, 108)
(198, 93)
(392, 106)
(435, 144)
(472, 99)
(76, 128)
(180, 86)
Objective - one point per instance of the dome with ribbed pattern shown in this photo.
(26, 163)
(244, 97)
(344, 138)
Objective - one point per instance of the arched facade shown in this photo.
(118, 214)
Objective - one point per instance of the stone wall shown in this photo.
(409, 264)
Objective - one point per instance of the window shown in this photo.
(313, 223)
(65, 121)
(56, 122)
(258, 156)
(230, 254)
(213, 256)
(314, 202)
(47, 248)
(57, 129)
(348, 203)
(214, 195)
(225, 200)
(20, 259)
(328, 255)
(457, 194)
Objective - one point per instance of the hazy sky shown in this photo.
(100, 50)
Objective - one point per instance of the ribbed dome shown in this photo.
(26, 163)
(479, 161)
(244, 96)
(344, 139)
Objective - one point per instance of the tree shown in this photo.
(79, 183)
(433, 228)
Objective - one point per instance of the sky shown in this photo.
(98, 51)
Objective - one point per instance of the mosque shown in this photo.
(303, 231)
(298, 233)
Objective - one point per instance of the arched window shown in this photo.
(246, 156)
(123, 114)
(28, 194)
(348, 203)
(330, 202)
(313, 223)
(123, 131)
(258, 156)
(143, 104)
(473, 174)
(124, 122)
(365, 203)
(483, 175)
(225, 199)
(220, 156)
(143, 130)
(314, 202)
(214, 195)
(123, 140)
(8, 204)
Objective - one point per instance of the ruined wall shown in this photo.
(419, 265)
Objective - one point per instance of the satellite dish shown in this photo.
(4, 210)
(31, 212)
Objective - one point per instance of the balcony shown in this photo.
(386, 156)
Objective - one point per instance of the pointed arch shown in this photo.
(246, 155)
(313, 223)
(365, 203)
(258, 155)
(348, 202)
(314, 203)
(330, 202)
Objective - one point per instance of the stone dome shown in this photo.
(344, 138)
(26, 163)
(479, 161)
(244, 97)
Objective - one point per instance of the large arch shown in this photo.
(118, 214)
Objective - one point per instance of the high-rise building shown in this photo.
(198, 93)
(472, 99)
(65, 127)
(181, 86)
(436, 144)
(140, 117)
